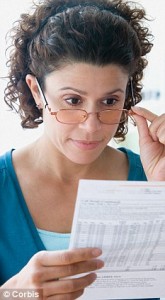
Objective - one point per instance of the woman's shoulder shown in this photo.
(7, 175)
(130, 154)
(5, 161)
(136, 171)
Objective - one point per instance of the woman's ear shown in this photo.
(32, 84)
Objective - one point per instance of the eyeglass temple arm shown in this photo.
(130, 114)
(132, 93)
(41, 93)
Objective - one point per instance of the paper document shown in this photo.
(126, 219)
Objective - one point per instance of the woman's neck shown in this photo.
(50, 161)
(51, 164)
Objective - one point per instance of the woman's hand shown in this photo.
(152, 142)
(46, 271)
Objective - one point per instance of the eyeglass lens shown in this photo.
(113, 116)
(73, 116)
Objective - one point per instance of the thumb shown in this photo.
(142, 126)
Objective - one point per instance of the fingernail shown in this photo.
(100, 264)
(131, 112)
(93, 276)
(96, 252)
(135, 107)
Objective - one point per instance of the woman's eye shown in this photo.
(72, 101)
(109, 101)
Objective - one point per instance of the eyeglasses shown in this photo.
(77, 116)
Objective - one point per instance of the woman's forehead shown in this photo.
(79, 69)
(84, 77)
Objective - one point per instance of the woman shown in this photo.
(76, 66)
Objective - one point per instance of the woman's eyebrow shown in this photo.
(73, 89)
(85, 93)
(118, 90)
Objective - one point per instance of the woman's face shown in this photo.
(89, 87)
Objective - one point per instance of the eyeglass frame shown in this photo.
(54, 113)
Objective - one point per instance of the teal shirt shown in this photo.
(19, 239)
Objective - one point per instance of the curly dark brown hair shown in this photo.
(61, 31)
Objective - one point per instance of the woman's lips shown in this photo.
(86, 145)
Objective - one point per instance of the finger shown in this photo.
(69, 285)
(143, 112)
(142, 126)
(50, 273)
(70, 296)
(157, 128)
(58, 258)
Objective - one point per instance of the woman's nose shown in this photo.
(92, 123)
